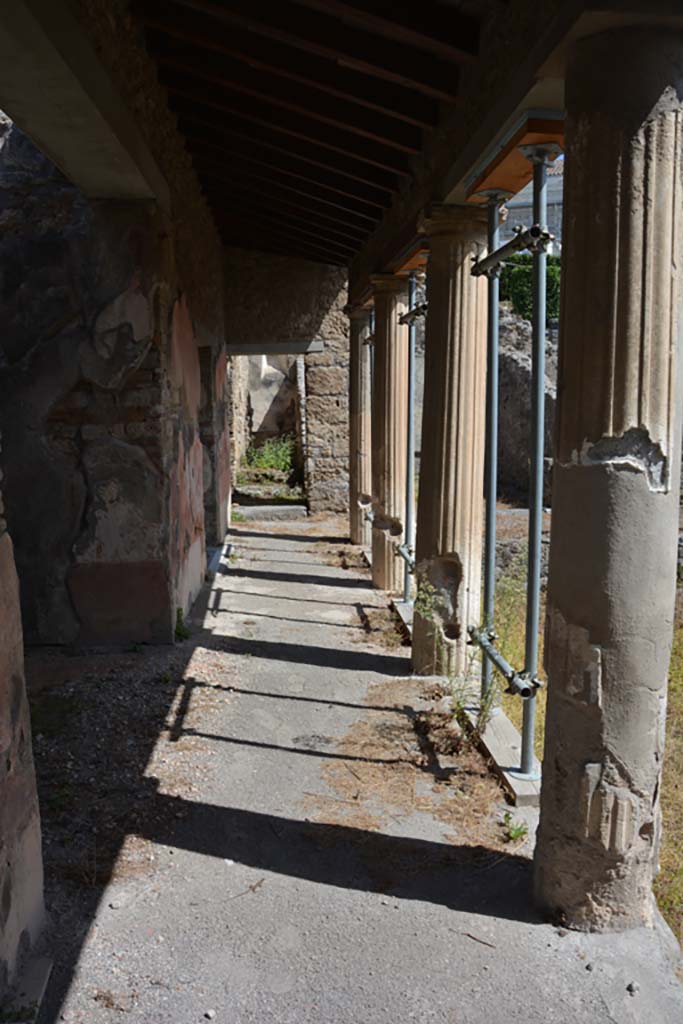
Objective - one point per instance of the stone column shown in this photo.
(450, 515)
(21, 867)
(612, 572)
(360, 478)
(389, 430)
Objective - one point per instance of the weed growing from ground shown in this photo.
(513, 830)
(181, 630)
(275, 453)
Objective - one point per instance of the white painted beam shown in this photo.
(53, 85)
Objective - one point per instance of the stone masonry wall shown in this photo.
(99, 397)
(274, 298)
(117, 37)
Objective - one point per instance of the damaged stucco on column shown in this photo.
(450, 515)
(612, 570)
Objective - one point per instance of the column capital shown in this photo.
(388, 283)
(450, 219)
(357, 312)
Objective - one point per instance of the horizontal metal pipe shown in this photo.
(534, 238)
(518, 683)
(413, 314)
(404, 552)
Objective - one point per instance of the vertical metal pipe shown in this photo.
(491, 478)
(372, 358)
(409, 538)
(536, 476)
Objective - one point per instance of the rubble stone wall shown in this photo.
(99, 403)
(274, 298)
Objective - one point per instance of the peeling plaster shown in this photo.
(633, 450)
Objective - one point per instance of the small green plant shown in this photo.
(274, 453)
(181, 630)
(513, 830)
(425, 599)
(236, 516)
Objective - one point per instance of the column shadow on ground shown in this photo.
(304, 578)
(470, 879)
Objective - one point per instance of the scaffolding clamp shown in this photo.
(519, 683)
(533, 239)
(413, 314)
(404, 552)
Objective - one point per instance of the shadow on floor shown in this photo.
(303, 578)
(307, 654)
(309, 538)
(465, 878)
(95, 734)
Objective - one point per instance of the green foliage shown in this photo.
(516, 285)
(513, 830)
(275, 453)
(181, 630)
(236, 516)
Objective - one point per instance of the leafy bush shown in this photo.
(275, 453)
(516, 285)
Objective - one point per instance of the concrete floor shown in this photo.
(256, 911)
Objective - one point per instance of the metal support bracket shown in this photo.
(404, 552)
(519, 683)
(533, 239)
(413, 314)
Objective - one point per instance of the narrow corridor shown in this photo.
(322, 864)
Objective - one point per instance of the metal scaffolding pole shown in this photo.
(536, 239)
(409, 536)
(495, 200)
(539, 155)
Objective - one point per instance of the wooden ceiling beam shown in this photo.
(275, 124)
(231, 169)
(287, 231)
(372, 127)
(298, 225)
(345, 168)
(199, 144)
(396, 26)
(390, 62)
(285, 208)
(369, 93)
(262, 234)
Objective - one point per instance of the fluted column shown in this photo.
(451, 495)
(612, 573)
(389, 430)
(360, 480)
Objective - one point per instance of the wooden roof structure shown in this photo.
(303, 116)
